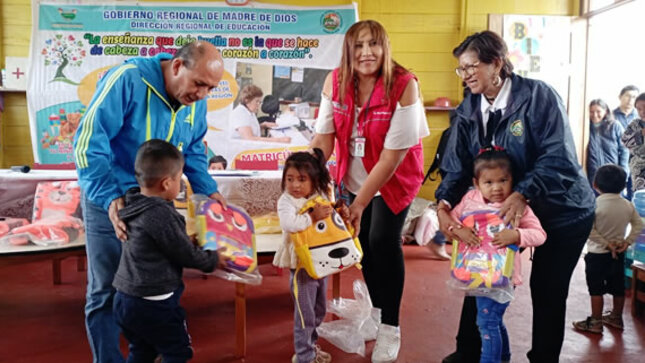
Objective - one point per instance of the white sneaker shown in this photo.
(388, 343)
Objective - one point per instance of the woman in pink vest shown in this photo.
(371, 109)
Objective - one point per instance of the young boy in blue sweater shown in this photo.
(149, 278)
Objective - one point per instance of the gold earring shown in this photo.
(497, 81)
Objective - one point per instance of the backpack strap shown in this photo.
(436, 162)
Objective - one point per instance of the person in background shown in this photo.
(217, 162)
(633, 139)
(604, 145)
(605, 259)
(149, 278)
(371, 109)
(526, 117)
(135, 102)
(244, 122)
(625, 113)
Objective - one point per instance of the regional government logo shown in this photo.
(330, 21)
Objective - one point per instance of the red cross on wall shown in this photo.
(18, 73)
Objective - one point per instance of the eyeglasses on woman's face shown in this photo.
(467, 70)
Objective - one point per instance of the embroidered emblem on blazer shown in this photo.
(517, 128)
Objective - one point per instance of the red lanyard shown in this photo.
(361, 125)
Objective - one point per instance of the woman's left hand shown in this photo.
(512, 209)
(355, 214)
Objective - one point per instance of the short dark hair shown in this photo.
(491, 158)
(628, 88)
(640, 97)
(217, 159)
(610, 178)
(489, 46)
(156, 159)
(314, 165)
(190, 53)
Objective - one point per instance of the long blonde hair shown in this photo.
(346, 70)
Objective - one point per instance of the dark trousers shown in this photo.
(383, 267)
(553, 265)
(153, 328)
(469, 343)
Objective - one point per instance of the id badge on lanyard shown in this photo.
(359, 141)
(359, 146)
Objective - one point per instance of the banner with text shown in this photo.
(286, 51)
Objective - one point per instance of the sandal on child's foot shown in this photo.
(321, 355)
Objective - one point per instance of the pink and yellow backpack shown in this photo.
(485, 266)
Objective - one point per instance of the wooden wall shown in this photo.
(422, 33)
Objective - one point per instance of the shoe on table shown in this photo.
(459, 357)
(591, 325)
(388, 343)
(608, 318)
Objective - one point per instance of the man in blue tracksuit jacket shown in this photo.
(139, 100)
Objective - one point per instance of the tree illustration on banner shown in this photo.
(63, 51)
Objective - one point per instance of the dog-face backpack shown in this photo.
(326, 246)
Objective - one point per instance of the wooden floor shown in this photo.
(42, 322)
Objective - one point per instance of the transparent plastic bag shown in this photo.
(484, 270)
(344, 335)
(8, 223)
(359, 321)
(481, 273)
(268, 223)
(57, 198)
(500, 294)
(231, 232)
(49, 231)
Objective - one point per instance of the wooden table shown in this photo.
(13, 255)
(257, 192)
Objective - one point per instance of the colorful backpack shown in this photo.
(56, 216)
(326, 247)
(485, 266)
(57, 198)
(231, 229)
(8, 223)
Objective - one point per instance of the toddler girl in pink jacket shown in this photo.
(493, 184)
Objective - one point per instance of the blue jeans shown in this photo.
(439, 239)
(490, 321)
(103, 254)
